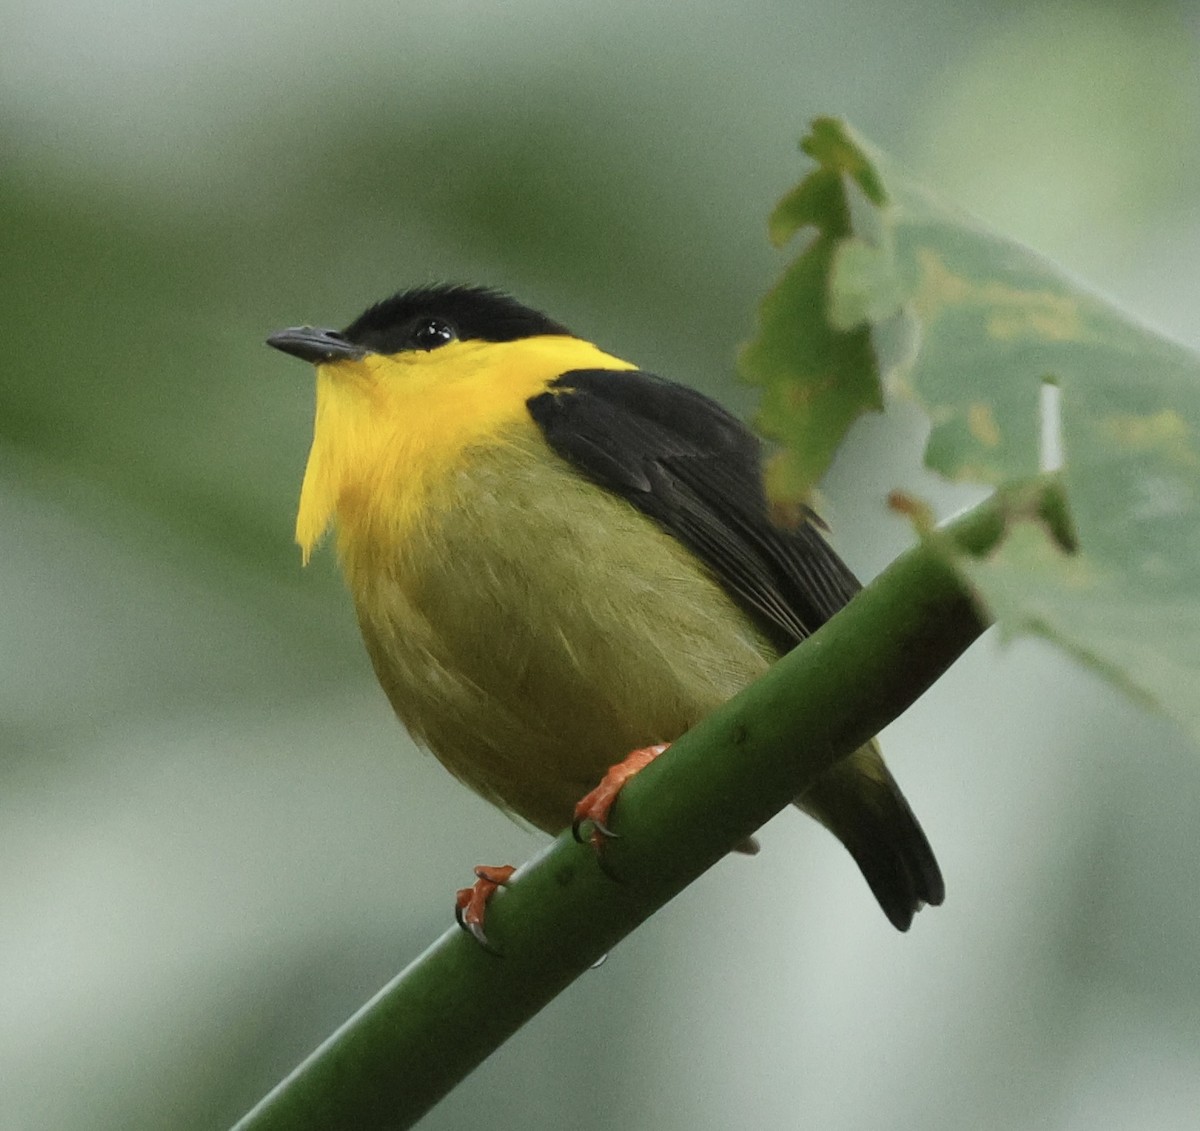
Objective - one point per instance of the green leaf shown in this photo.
(898, 293)
(816, 376)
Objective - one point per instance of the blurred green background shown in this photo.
(215, 841)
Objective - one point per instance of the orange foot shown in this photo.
(470, 904)
(594, 808)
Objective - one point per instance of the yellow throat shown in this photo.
(390, 428)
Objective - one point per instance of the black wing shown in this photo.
(680, 458)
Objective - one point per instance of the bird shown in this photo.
(558, 559)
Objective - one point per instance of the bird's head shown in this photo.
(412, 383)
(425, 336)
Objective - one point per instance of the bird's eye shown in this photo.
(429, 333)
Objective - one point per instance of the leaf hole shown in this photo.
(1050, 448)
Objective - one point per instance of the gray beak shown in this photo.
(317, 346)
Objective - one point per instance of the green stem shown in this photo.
(456, 1003)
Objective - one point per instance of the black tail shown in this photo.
(861, 804)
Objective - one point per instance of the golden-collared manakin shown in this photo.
(557, 558)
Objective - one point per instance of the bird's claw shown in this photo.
(594, 808)
(470, 904)
(599, 833)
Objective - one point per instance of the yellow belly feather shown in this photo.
(534, 629)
